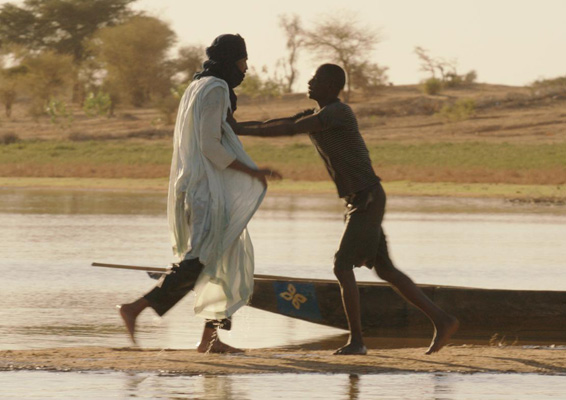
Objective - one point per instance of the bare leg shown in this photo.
(445, 325)
(129, 313)
(210, 343)
(351, 302)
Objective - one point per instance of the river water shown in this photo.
(53, 297)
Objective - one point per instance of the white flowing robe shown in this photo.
(210, 207)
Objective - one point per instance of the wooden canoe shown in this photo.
(523, 316)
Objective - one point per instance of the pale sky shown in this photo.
(512, 42)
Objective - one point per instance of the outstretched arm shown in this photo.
(283, 127)
(302, 122)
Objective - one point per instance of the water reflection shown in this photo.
(54, 201)
(353, 387)
(446, 386)
(52, 297)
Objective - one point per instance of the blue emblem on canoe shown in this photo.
(297, 300)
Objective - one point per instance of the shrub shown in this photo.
(58, 112)
(432, 86)
(549, 87)
(471, 77)
(547, 83)
(169, 105)
(48, 75)
(453, 80)
(459, 111)
(98, 104)
(9, 138)
(369, 77)
(255, 86)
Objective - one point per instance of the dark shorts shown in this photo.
(363, 242)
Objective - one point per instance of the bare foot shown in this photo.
(129, 316)
(217, 347)
(442, 334)
(351, 348)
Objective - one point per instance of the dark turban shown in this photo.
(227, 49)
(222, 55)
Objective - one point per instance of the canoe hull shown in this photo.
(484, 314)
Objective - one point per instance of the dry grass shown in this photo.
(405, 114)
(127, 123)
(397, 113)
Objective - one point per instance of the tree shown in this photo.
(59, 25)
(12, 73)
(63, 26)
(189, 61)
(427, 62)
(10, 83)
(448, 72)
(431, 65)
(293, 30)
(133, 55)
(254, 86)
(344, 40)
(369, 77)
(48, 75)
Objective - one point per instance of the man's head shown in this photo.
(327, 82)
(227, 49)
(228, 56)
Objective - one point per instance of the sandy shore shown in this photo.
(461, 359)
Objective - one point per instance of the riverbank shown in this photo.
(296, 159)
(460, 359)
(547, 194)
(512, 146)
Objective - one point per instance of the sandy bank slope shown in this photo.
(465, 359)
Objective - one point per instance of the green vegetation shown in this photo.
(92, 152)
(459, 111)
(559, 82)
(433, 169)
(549, 87)
(432, 86)
(133, 55)
(96, 105)
(255, 86)
(447, 70)
(462, 156)
(299, 158)
(58, 112)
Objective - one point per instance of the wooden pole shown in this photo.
(165, 270)
(134, 267)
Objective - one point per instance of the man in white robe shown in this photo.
(214, 190)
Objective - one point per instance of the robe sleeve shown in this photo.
(211, 130)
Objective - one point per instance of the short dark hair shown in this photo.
(336, 75)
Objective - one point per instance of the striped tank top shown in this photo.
(343, 149)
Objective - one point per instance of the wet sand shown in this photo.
(461, 359)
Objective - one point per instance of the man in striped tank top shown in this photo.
(334, 132)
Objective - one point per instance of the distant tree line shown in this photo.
(94, 53)
(443, 73)
(341, 39)
(99, 54)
